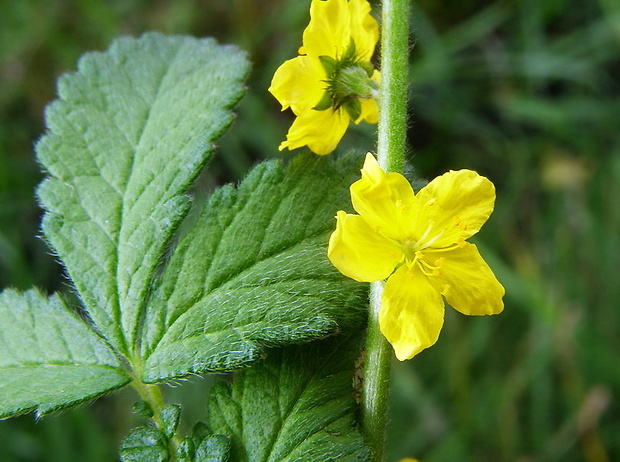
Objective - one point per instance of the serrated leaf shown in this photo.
(296, 406)
(214, 448)
(144, 444)
(143, 409)
(186, 450)
(170, 416)
(49, 357)
(203, 446)
(131, 130)
(252, 271)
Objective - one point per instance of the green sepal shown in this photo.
(349, 55)
(369, 68)
(326, 102)
(353, 82)
(354, 109)
(330, 65)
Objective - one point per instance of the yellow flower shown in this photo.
(417, 241)
(332, 81)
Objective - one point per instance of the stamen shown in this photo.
(458, 244)
(428, 269)
(458, 223)
(421, 243)
(433, 240)
(426, 232)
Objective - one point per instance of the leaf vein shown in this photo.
(123, 204)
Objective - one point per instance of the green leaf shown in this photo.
(145, 444)
(296, 406)
(49, 357)
(214, 448)
(143, 409)
(131, 130)
(203, 446)
(170, 416)
(252, 271)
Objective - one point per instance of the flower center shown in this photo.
(421, 252)
(416, 255)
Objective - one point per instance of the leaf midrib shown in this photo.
(284, 416)
(122, 217)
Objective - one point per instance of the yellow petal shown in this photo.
(467, 282)
(360, 253)
(411, 313)
(385, 200)
(364, 29)
(299, 83)
(370, 111)
(454, 205)
(328, 33)
(321, 131)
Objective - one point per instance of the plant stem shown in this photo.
(153, 395)
(376, 385)
(391, 156)
(394, 79)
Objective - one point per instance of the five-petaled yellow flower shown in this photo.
(332, 81)
(417, 241)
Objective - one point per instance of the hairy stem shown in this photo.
(391, 156)
(153, 395)
(376, 384)
(394, 78)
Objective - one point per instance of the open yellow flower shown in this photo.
(418, 242)
(332, 81)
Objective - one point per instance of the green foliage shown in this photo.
(513, 91)
(203, 446)
(145, 444)
(170, 416)
(50, 358)
(215, 448)
(245, 271)
(130, 132)
(252, 270)
(296, 406)
(149, 444)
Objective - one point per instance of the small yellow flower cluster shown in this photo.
(418, 242)
(332, 81)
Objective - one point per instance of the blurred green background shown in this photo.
(526, 92)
